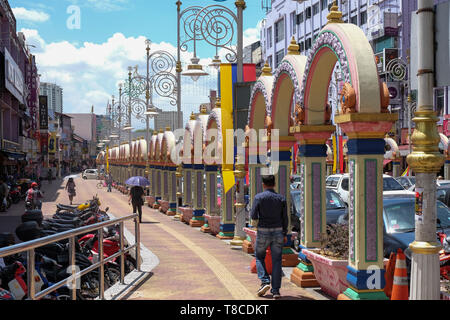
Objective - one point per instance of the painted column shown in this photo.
(227, 220)
(396, 168)
(211, 197)
(365, 165)
(282, 186)
(447, 168)
(158, 193)
(425, 161)
(313, 166)
(198, 218)
(187, 185)
(165, 184)
(179, 177)
(172, 180)
(239, 234)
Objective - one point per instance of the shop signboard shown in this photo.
(14, 80)
(43, 112)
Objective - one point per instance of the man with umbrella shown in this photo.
(137, 194)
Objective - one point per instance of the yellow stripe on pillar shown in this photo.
(226, 88)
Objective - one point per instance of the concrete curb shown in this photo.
(134, 278)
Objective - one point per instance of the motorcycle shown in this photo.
(14, 193)
(444, 254)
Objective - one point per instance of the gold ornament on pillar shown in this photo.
(299, 114)
(335, 16)
(384, 97)
(266, 70)
(294, 48)
(348, 99)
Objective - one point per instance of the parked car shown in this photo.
(335, 207)
(340, 182)
(399, 222)
(439, 183)
(90, 174)
(443, 194)
(406, 181)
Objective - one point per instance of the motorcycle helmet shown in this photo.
(34, 184)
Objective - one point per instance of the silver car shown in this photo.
(90, 174)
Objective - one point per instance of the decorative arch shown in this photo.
(151, 152)
(215, 122)
(158, 147)
(347, 45)
(168, 143)
(394, 151)
(286, 87)
(188, 141)
(260, 102)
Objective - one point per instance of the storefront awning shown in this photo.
(14, 155)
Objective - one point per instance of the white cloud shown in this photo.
(30, 15)
(90, 73)
(102, 5)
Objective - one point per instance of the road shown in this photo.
(192, 265)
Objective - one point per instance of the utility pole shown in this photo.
(426, 161)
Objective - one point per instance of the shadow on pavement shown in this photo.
(132, 291)
(270, 297)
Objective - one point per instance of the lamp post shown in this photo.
(426, 161)
(215, 25)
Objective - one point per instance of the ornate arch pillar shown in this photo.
(212, 210)
(179, 192)
(366, 154)
(198, 218)
(313, 166)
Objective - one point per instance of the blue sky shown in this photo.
(89, 62)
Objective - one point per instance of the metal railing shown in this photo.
(30, 247)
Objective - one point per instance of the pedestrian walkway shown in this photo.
(190, 265)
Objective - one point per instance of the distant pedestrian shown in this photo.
(270, 209)
(4, 189)
(137, 200)
(70, 187)
(49, 175)
(109, 181)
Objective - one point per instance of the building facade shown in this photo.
(18, 85)
(166, 119)
(54, 94)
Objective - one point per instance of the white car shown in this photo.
(90, 174)
(438, 184)
(339, 183)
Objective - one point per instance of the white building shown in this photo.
(54, 94)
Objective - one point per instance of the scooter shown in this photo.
(444, 254)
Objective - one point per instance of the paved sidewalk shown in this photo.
(186, 263)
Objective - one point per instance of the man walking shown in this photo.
(109, 181)
(269, 208)
(137, 200)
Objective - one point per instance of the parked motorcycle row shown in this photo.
(16, 193)
(52, 261)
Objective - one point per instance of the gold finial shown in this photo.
(218, 103)
(335, 16)
(294, 48)
(266, 70)
(203, 110)
(161, 130)
(168, 128)
(192, 116)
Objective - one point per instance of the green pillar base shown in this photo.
(205, 228)
(305, 267)
(365, 295)
(225, 235)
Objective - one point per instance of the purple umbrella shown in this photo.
(137, 181)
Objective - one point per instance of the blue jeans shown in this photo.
(274, 239)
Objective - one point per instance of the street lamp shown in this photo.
(215, 25)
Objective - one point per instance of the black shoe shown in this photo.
(262, 291)
(276, 295)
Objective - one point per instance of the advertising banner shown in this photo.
(43, 113)
(52, 143)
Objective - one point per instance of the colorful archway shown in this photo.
(364, 118)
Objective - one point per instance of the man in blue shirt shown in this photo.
(269, 208)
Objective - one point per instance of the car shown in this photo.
(335, 207)
(399, 223)
(90, 174)
(406, 181)
(443, 194)
(439, 183)
(339, 183)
